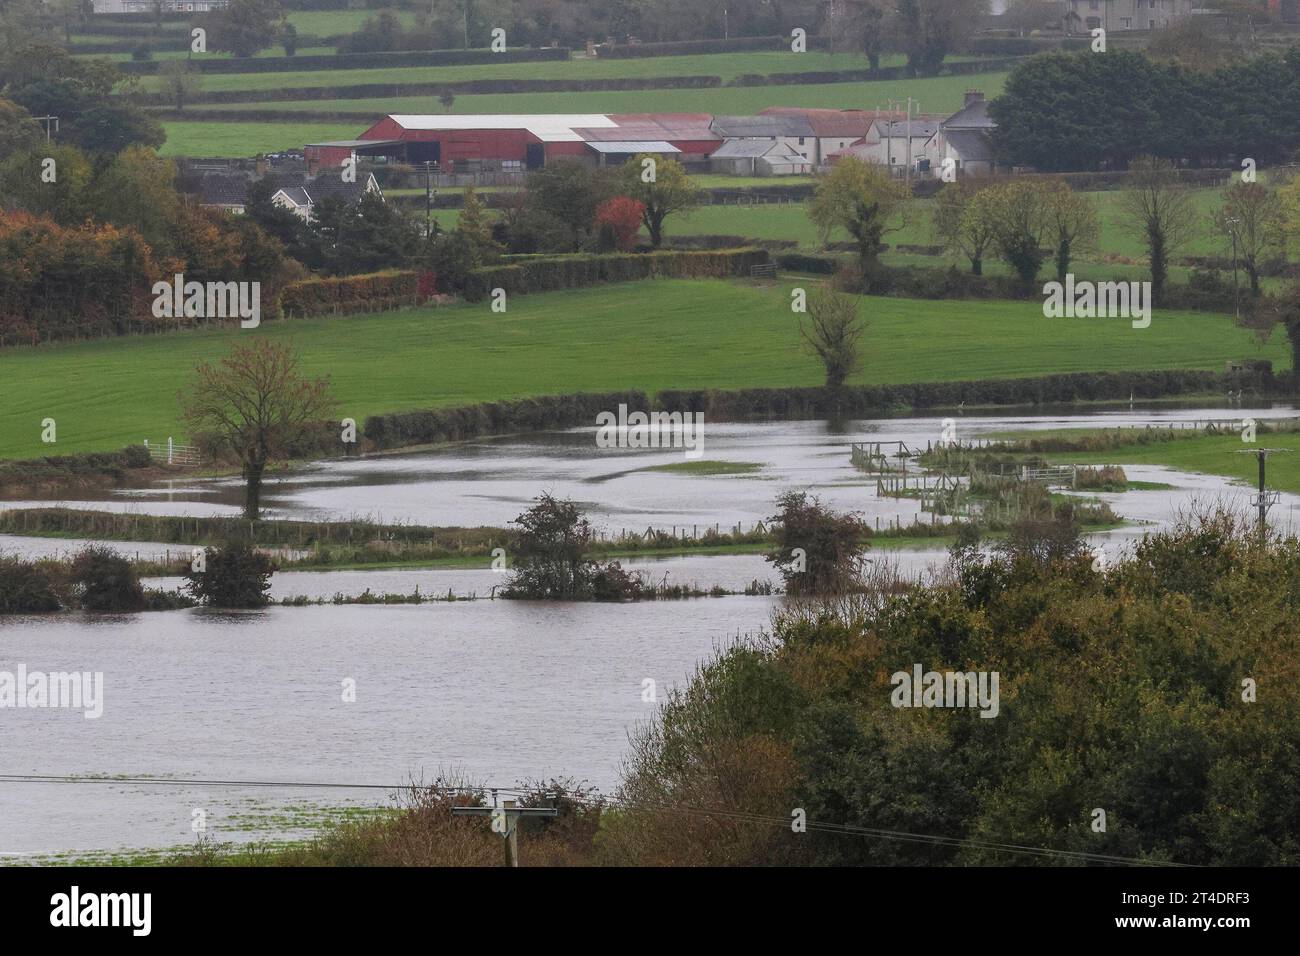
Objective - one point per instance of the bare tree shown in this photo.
(1253, 221)
(963, 225)
(256, 403)
(1162, 212)
(832, 332)
(1072, 224)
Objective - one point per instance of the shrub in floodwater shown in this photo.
(103, 580)
(26, 588)
(819, 551)
(236, 575)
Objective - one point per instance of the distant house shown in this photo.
(1084, 16)
(301, 200)
(831, 130)
(224, 192)
(886, 142)
(751, 137)
(963, 138)
(758, 157)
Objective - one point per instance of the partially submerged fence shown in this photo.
(171, 452)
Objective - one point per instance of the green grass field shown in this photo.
(790, 221)
(1212, 455)
(728, 66)
(669, 334)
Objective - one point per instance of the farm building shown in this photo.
(758, 157)
(886, 142)
(831, 130)
(742, 134)
(505, 143)
(964, 138)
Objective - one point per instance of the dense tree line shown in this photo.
(1134, 690)
(1087, 111)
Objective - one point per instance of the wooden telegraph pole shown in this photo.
(505, 820)
(1264, 499)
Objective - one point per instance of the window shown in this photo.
(1126, 22)
(800, 140)
(1151, 24)
(1094, 5)
(1094, 22)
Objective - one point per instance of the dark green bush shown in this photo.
(26, 588)
(103, 580)
(234, 576)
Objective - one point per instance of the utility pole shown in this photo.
(47, 121)
(1232, 230)
(505, 820)
(1264, 499)
(908, 175)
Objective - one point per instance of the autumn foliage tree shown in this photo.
(662, 187)
(255, 403)
(863, 200)
(622, 215)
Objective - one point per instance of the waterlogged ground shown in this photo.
(491, 481)
(500, 690)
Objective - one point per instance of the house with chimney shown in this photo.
(963, 140)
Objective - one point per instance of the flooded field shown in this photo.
(499, 690)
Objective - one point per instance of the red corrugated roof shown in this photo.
(826, 122)
(653, 126)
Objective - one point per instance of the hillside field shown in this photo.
(646, 335)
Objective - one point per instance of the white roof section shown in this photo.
(548, 127)
(635, 146)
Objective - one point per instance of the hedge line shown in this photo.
(547, 273)
(1026, 46)
(686, 47)
(431, 426)
(373, 292)
(98, 467)
(360, 61)
(960, 68)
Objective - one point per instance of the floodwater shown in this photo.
(491, 481)
(499, 690)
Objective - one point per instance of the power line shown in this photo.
(842, 829)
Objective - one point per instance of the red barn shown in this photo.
(525, 141)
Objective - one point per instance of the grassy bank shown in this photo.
(700, 334)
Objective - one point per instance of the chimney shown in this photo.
(974, 96)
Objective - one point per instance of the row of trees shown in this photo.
(1087, 111)
(1025, 221)
(568, 206)
(44, 80)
